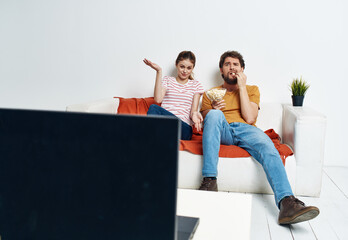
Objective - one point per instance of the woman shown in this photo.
(179, 96)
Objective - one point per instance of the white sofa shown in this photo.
(301, 128)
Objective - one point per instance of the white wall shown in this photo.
(58, 52)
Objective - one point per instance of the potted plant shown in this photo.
(298, 88)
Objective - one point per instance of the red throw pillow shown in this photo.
(137, 106)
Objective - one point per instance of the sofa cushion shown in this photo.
(108, 105)
(270, 116)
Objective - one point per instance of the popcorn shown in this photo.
(216, 94)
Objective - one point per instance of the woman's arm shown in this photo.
(159, 91)
(196, 116)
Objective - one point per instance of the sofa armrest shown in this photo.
(108, 105)
(304, 131)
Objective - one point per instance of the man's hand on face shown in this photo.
(241, 79)
(218, 105)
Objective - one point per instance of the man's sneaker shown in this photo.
(293, 210)
(208, 184)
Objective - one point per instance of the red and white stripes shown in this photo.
(178, 97)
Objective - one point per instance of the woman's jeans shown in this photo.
(253, 140)
(186, 130)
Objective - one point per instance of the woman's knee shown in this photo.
(153, 109)
(186, 132)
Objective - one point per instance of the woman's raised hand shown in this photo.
(152, 65)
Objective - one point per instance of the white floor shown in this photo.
(331, 224)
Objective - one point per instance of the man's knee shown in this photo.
(214, 115)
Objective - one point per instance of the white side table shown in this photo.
(222, 215)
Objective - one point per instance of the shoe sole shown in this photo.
(301, 217)
(205, 189)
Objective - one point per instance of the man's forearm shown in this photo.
(249, 110)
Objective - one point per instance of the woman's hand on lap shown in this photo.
(197, 119)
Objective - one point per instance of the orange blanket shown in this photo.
(195, 146)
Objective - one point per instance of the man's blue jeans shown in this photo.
(186, 130)
(253, 140)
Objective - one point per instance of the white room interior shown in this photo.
(56, 53)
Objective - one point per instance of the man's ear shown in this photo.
(221, 70)
(242, 69)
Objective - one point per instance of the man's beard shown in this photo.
(232, 81)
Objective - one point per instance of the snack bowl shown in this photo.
(216, 94)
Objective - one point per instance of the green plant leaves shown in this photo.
(299, 87)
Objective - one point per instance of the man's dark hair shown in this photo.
(232, 54)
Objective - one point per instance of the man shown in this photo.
(231, 121)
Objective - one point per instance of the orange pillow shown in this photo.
(137, 106)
